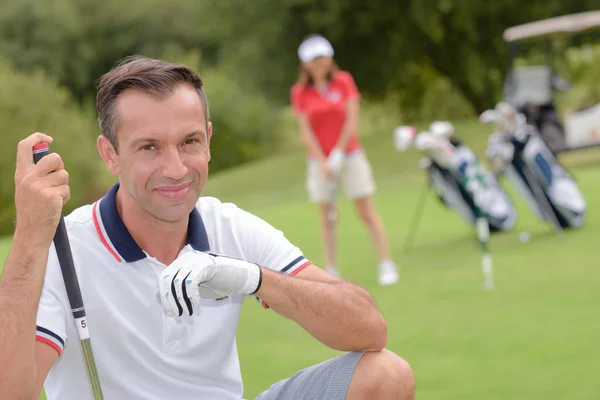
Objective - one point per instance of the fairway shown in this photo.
(534, 337)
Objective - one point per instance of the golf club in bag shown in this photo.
(518, 152)
(461, 183)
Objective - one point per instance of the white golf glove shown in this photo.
(196, 275)
(335, 160)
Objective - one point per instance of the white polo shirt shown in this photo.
(140, 352)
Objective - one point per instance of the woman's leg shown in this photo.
(388, 272)
(328, 233)
(368, 214)
(318, 192)
(359, 185)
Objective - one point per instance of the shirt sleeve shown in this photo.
(51, 317)
(350, 91)
(296, 100)
(267, 246)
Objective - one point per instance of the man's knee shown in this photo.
(382, 375)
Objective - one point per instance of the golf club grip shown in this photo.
(65, 258)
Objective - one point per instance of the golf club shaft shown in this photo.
(90, 361)
(416, 219)
(65, 258)
(332, 218)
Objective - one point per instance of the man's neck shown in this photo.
(161, 240)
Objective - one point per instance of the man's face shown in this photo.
(163, 151)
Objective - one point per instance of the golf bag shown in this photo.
(464, 185)
(526, 161)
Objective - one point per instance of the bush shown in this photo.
(582, 71)
(30, 103)
(77, 41)
(430, 96)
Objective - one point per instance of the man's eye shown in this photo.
(148, 147)
(190, 141)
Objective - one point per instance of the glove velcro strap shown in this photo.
(260, 275)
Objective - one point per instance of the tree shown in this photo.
(388, 46)
(31, 102)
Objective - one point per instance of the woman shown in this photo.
(326, 103)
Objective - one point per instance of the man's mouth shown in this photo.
(174, 192)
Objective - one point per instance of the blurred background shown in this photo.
(413, 62)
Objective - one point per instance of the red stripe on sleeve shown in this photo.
(50, 343)
(300, 268)
(294, 272)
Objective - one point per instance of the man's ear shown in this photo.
(208, 137)
(108, 154)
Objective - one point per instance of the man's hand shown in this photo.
(197, 275)
(41, 190)
(335, 161)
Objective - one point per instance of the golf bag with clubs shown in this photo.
(517, 151)
(460, 180)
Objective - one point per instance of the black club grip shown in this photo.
(63, 251)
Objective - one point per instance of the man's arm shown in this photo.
(40, 192)
(338, 313)
(20, 291)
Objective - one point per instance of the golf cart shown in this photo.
(531, 88)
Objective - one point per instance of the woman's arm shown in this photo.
(309, 138)
(350, 124)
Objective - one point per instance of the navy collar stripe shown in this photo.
(121, 238)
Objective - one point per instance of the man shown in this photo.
(153, 227)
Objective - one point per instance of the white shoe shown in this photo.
(333, 271)
(388, 273)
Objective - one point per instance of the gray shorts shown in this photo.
(328, 380)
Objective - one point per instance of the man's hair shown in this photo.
(155, 77)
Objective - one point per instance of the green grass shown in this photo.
(533, 337)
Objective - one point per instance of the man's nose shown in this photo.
(174, 167)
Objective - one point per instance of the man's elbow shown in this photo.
(377, 332)
(380, 337)
(16, 388)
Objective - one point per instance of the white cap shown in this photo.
(313, 47)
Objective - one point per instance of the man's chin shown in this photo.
(174, 211)
(174, 214)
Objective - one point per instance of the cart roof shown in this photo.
(566, 24)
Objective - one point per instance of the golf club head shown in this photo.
(404, 137)
(442, 129)
(488, 116)
(424, 141)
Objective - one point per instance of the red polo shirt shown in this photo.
(326, 111)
